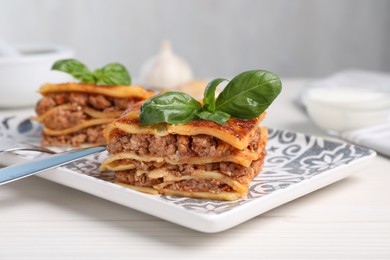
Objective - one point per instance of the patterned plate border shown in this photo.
(292, 159)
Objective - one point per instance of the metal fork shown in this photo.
(31, 167)
(8, 145)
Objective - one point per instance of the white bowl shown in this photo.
(21, 76)
(338, 109)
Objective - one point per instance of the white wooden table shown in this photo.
(349, 219)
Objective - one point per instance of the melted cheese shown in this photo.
(112, 91)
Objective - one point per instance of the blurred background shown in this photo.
(219, 38)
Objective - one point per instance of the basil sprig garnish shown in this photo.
(113, 74)
(246, 96)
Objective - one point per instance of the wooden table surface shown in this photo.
(40, 219)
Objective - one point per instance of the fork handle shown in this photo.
(21, 170)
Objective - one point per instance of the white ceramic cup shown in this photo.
(21, 76)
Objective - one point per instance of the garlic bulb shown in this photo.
(166, 70)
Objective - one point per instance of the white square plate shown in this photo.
(296, 165)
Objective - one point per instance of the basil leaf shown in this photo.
(218, 117)
(209, 94)
(113, 74)
(76, 69)
(249, 94)
(169, 107)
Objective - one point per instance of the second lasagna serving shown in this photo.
(176, 146)
(76, 113)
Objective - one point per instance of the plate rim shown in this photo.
(208, 223)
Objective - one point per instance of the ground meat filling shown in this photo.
(199, 185)
(179, 146)
(130, 177)
(230, 169)
(72, 114)
(176, 146)
(64, 117)
(93, 134)
(95, 101)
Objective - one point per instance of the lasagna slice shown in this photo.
(76, 113)
(199, 159)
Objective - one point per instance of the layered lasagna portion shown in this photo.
(199, 159)
(76, 113)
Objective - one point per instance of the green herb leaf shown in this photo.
(169, 107)
(113, 74)
(218, 117)
(76, 69)
(209, 94)
(249, 94)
